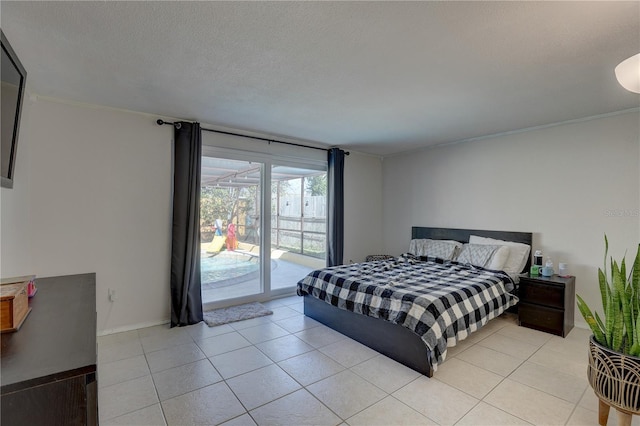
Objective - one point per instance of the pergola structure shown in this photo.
(237, 174)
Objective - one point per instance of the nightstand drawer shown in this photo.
(543, 294)
(541, 318)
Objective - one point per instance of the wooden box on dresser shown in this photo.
(14, 305)
(48, 366)
(547, 303)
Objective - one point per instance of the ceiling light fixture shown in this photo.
(628, 73)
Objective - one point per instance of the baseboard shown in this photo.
(131, 327)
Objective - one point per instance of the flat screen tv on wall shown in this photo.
(13, 79)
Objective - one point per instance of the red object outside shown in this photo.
(232, 241)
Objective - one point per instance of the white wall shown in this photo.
(16, 258)
(568, 184)
(101, 202)
(363, 206)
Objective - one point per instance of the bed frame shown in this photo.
(393, 340)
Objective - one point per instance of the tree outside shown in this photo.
(317, 185)
(227, 204)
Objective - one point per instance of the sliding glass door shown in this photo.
(247, 255)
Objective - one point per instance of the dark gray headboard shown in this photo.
(462, 235)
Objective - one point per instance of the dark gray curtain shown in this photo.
(335, 185)
(186, 299)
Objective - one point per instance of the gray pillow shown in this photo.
(477, 254)
(443, 249)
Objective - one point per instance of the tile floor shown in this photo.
(287, 369)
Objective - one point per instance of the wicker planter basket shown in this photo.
(614, 377)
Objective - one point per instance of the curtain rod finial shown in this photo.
(160, 122)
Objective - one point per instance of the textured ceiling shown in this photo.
(377, 77)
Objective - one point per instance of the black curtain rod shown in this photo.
(161, 122)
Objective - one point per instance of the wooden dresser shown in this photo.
(48, 366)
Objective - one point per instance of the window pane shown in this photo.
(230, 229)
(298, 242)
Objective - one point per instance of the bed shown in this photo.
(335, 303)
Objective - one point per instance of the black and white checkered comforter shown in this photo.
(442, 303)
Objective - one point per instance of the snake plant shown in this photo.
(619, 331)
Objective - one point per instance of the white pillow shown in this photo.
(518, 253)
(444, 249)
(499, 258)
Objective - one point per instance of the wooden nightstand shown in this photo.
(547, 303)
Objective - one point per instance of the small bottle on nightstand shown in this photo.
(563, 270)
